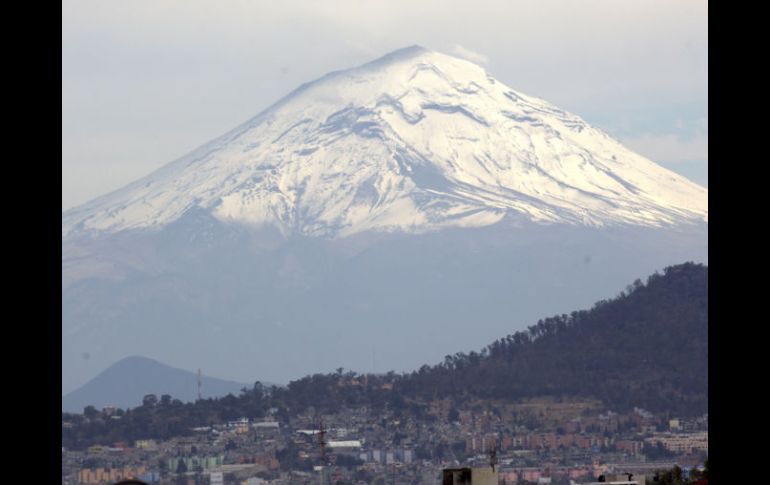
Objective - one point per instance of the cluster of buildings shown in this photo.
(112, 475)
(537, 441)
(682, 442)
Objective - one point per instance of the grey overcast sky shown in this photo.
(144, 82)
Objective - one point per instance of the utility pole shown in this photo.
(322, 445)
(200, 383)
(322, 442)
(493, 456)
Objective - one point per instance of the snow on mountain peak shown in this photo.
(413, 141)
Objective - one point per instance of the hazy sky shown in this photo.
(146, 81)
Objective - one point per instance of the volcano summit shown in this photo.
(411, 142)
(414, 204)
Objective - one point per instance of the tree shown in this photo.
(258, 389)
(422, 453)
(454, 415)
(181, 466)
(673, 476)
(657, 452)
(90, 412)
(677, 474)
(150, 400)
(441, 450)
(348, 462)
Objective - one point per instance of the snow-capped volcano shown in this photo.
(476, 211)
(412, 142)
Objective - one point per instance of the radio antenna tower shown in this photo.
(322, 441)
(200, 383)
(325, 478)
(493, 456)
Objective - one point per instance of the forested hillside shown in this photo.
(647, 347)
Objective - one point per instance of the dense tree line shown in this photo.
(676, 476)
(647, 347)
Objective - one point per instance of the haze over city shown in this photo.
(402, 242)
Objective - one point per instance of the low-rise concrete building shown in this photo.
(468, 476)
(108, 475)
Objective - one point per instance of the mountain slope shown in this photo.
(414, 141)
(126, 382)
(648, 347)
(363, 221)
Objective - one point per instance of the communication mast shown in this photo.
(322, 441)
(324, 470)
(493, 456)
(200, 383)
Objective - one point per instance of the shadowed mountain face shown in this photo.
(306, 305)
(125, 383)
(376, 218)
